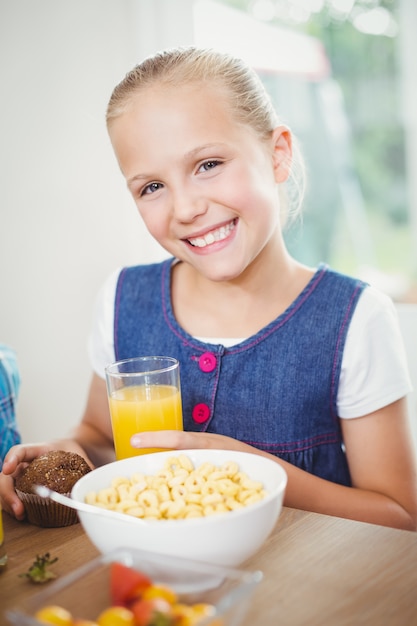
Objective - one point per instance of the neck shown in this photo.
(240, 307)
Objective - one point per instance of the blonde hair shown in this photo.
(249, 100)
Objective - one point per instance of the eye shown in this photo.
(151, 188)
(209, 165)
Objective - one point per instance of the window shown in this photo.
(336, 70)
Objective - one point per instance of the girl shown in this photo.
(300, 364)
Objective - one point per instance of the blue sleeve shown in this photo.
(9, 390)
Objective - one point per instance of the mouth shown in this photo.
(213, 236)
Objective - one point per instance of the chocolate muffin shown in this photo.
(58, 470)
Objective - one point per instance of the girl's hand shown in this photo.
(185, 440)
(17, 458)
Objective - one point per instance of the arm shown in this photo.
(380, 457)
(92, 439)
(383, 471)
(94, 434)
(9, 390)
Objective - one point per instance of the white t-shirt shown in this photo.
(374, 366)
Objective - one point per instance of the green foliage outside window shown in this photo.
(367, 69)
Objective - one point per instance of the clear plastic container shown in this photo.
(85, 591)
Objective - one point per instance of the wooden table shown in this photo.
(318, 570)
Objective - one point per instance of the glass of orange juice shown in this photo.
(144, 394)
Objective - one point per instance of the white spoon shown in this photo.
(45, 492)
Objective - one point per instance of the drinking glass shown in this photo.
(144, 393)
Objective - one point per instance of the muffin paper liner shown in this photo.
(46, 513)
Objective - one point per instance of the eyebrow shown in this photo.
(188, 155)
(136, 178)
(198, 149)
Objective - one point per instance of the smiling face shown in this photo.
(205, 185)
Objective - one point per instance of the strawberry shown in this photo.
(126, 584)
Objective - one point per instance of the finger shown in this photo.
(9, 499)
(22, 453)
(170, 439)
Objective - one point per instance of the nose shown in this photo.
(188, 204)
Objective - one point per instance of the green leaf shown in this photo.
(39, 571)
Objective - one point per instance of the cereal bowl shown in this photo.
(225, 539)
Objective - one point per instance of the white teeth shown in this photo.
(214, 235)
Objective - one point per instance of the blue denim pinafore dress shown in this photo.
(276, 390)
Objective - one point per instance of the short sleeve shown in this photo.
(9, 390)
(374, 365)
(101, 339)
(10, 378)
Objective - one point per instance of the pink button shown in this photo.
(207, 362)
(201, 413)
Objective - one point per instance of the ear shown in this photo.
(282, 153)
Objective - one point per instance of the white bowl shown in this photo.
(225, 539)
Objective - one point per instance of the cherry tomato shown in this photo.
(160, 591)
(53, 614)
(182, 614)
(116, 616)
(202, 609)
(191, 615)
(148, 612)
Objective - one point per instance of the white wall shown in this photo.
(66, 217)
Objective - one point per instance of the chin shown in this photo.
(220, 275)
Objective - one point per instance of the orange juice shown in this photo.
(143, 407)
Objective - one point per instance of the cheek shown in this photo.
(236, 194)
(252, 202)
(250, 188)
(155, 223)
